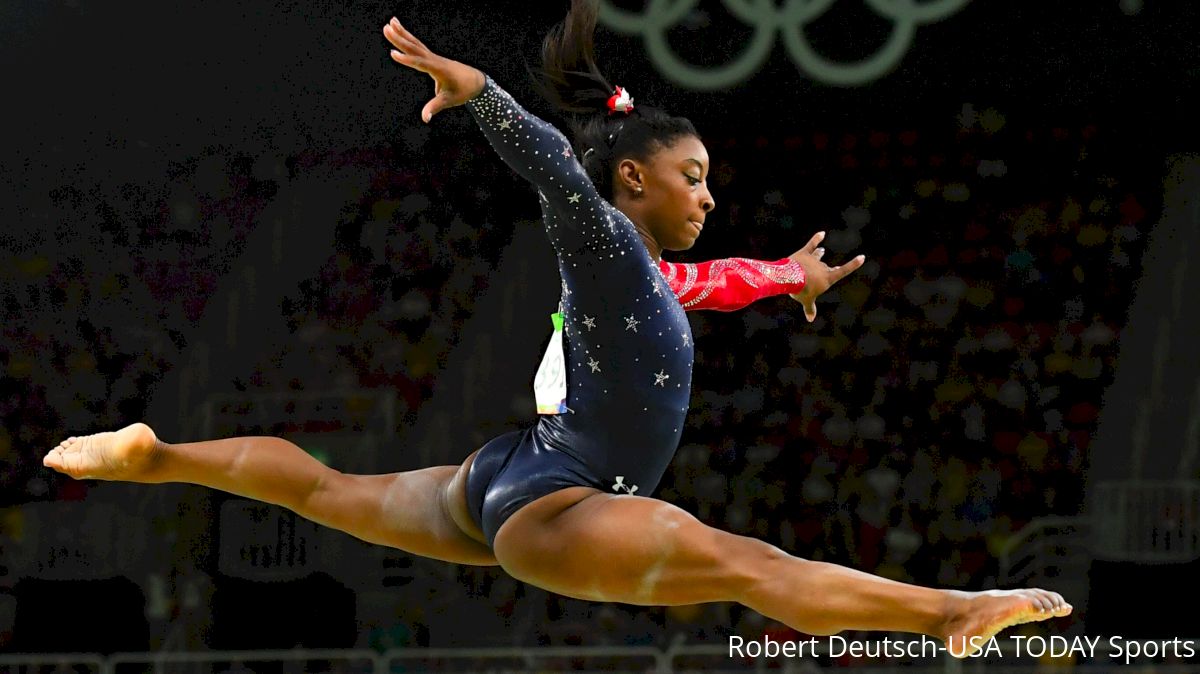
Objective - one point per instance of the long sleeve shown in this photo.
(532, 147)
(731, 284)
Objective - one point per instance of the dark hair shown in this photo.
(570, 80)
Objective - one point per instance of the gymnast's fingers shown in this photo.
(811, 246)
(842, 271)
(394, 38)
(411, 61)
(404, 40)
(398, 41)
(407, 36)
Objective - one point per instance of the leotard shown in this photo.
(627, 343)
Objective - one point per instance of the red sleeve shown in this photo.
(730, 284)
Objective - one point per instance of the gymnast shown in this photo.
(546, 502)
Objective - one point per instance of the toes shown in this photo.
(1038, 601)
(1054, 601)
(1051, 602)
(1035, 600)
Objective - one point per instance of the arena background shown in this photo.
(226, 218)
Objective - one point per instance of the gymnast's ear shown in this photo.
(629, 175)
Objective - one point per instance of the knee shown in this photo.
(750, 564)
(728, 565)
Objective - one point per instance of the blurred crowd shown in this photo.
(947, 393)
(945, 397)
(386, 307)
(99, 289)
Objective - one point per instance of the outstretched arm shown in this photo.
(533, 148)
(734, 283)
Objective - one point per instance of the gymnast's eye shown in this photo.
(692, 180)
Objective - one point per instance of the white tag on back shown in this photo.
(550, 383)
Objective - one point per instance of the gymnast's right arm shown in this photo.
(533, 148)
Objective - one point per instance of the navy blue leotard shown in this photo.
(628, 345)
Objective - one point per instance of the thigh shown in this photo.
(420, 511)
(457, 502)
(588, 544)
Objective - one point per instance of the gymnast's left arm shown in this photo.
(731, 283)
(734, 283)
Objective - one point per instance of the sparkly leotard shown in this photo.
(628, 345)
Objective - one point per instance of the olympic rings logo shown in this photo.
(768, 21)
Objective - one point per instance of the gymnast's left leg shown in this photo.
(419, 511)
(657, 554)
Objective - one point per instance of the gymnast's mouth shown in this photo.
(698, 225)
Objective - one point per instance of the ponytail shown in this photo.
(569, 77)
(570, 80)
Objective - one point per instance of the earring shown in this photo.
(638, 191)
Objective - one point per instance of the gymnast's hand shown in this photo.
(454, 83)
(818, 276)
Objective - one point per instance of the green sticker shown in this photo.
(557, 319)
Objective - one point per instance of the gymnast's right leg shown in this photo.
(617, 547)
(422, 511)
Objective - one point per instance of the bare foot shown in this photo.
(122, 455)
(979, 616)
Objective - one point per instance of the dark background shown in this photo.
(89, 85)
(110, 108)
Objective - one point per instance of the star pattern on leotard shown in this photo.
(585, 229)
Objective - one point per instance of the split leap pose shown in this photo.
(545, 502)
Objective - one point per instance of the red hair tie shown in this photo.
(620, 102)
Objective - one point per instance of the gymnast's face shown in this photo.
(673, 200)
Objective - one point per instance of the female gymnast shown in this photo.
(547, 502)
